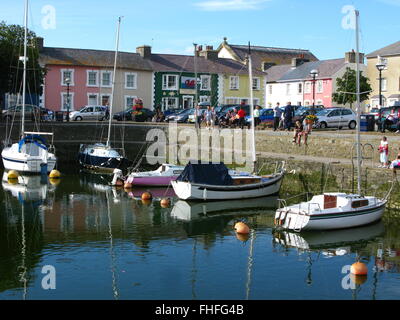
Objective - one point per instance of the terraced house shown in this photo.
(85, 77)
(389, 58)
(181, 79)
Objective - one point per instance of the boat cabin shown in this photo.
(338, 200)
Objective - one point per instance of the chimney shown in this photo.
(350, 57)
(299, 61)
(209, 53)
(144, 51)
(39, 43)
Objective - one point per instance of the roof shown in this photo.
(390, 50)
(326, 69)
(93, 58)
(186, 63)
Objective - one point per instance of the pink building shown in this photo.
(86, 76)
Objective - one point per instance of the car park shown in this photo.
(336, 118)
(89, 113)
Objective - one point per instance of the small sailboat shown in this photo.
(100, 156)
(31, 154)
(335, 210)
(161, 177)
(214, 181)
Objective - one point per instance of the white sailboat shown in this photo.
(335, 210)
(31, 154)
(100, 156)
(226, 186)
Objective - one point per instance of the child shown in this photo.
(384, 152)
(298, 129)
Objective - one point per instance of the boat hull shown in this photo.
(102, 163)
(152, 181)
(26, 163)
(191, 191)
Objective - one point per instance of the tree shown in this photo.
(11, 68)
(346, 88)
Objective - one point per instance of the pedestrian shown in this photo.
(289, 114)
(298, 130)
(277, 116)
(395, 165)
(241, 115)
(384, 152)
(214, 120)
(208, 117)
(197, 114)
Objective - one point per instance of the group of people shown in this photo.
(283, 118)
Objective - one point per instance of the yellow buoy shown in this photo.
(54, 181)
(12, 181)
(147, 196)
(54, 174)
(12, 174)
(165, 202)
(359, 269)
(242, 228)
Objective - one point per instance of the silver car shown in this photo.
(336, 118)
(89, 113)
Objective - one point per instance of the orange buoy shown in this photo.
(242, 228)
(146, 202)
(147, 196)
(165, 202)
(242, 237)
(128, 185)
(359, 269)
(358, 280)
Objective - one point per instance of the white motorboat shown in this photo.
(213, 182)
(335, 210)
(31, 154)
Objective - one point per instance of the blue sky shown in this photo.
(173, 26)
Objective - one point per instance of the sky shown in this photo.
(321, 26)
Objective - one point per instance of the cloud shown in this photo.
(229, 5)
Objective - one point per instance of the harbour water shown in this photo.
(105, 243)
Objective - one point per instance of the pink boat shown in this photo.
(157, 178)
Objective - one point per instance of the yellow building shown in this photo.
(389, 58)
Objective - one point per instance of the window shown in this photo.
(105, 100)
(170, 82)
(256, 83)
(67, 74)
(346, 112)
(234, 83)
(93, 99)
(256, 102)
(92, 78)
(307, 88)
(205, 82)
(287, 89)
(334, 113)
(130, 80)
(384, 84)
(129, 101)
(205, 99)
(300, 88)
(106, 78)
(306, 102)
(169, 103)
(270, 89)
(319, 102)
(232, 100)
(64, 101)
(320, 86)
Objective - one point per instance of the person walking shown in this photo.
(384, 152)
(208, 117)
(197, 114)
(277, 116)
(241, 114)
(289, 114)
(256, 113)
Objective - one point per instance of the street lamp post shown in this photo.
(68, 82)
(314, 74)
(380, 66)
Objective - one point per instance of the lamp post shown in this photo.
(68, 82)
(313, 74)
(380, 66)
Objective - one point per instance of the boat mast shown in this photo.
(24, 59)
(113, 83)
(357, 13)
(251, 103)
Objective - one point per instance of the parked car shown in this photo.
(15, 112)
(183, 116)
(89, 113)
(169, 112)
(266, 116)
(304, 111)
(336, 118)
(192, 117)
(384, 114)
(141, 116)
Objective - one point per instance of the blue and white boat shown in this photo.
(31, 154)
